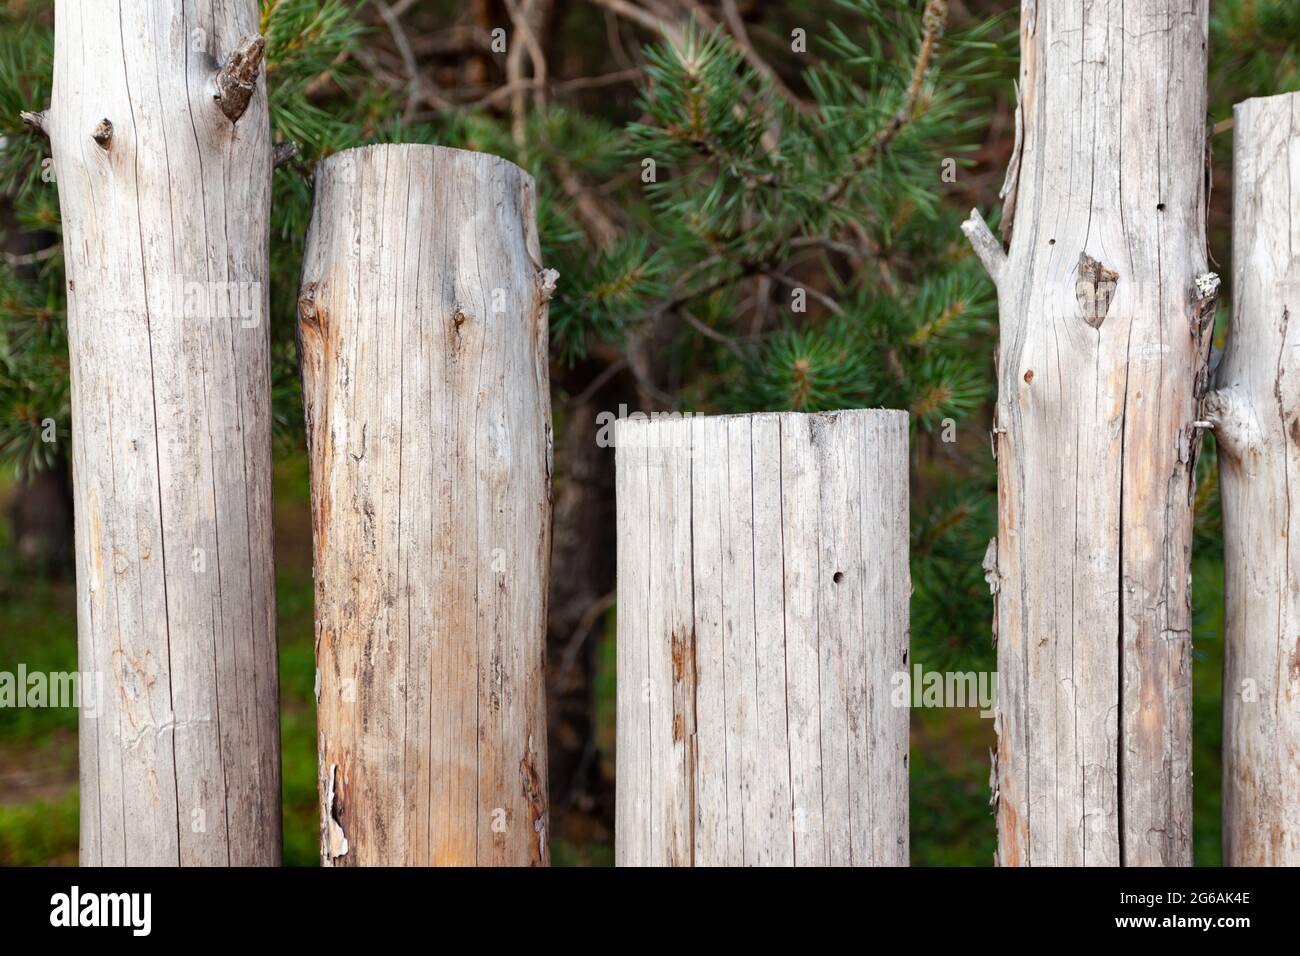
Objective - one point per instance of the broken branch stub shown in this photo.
(236, 81)
(37, 122)
(763, 590)
(985, 244)
(423, 336)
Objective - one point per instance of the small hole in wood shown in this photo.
(1051, 242)
(1160, 207)
(837, 577)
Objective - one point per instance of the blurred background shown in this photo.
(752, 206)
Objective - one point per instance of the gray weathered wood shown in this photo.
(763, 591)
(423, 334)
(1255, 411)
(1105, 312)
(165, 207)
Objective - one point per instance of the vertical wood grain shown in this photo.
(423, 337)
(1255, 411)
(165, 204)
(763, 592)
(1105, 311)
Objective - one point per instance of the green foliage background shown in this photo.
(827, 183)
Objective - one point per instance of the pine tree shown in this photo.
(773, 250)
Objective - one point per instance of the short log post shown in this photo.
(763, 590)
(423, 337)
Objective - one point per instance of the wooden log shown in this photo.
(165, 204)
(1255, 411)
(763, 591)
(423, 337)
(1106, 310)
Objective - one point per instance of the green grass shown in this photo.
(40, 833)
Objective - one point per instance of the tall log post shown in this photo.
(423, 336)
(1106, 311)
(763, 591)
(165, 200)
(1255, 411)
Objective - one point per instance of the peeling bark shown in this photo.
(1255, 411)
(423, 339)
(763, 591)
(1102, 358)
(165, 209)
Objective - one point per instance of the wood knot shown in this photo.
(459, 316)
(546, 282)
(237, 80)
(308, 305)
(103, 134)
(1206, 303)
(1094, 289)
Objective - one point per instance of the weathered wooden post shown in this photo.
(161, 146)
(1255, 411)
(1106, 311)
(763, 591)
(423, 336)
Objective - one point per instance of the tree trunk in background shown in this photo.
(1105, 321)
(40, 515)
(165, 198)
(763, 590)
(423, 332)
(39, 508)
(1256, 415)
(580, 599)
